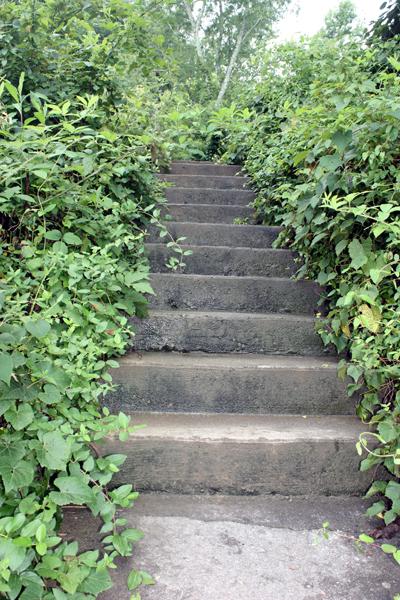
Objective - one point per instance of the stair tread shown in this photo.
(177, 360)
(240, 316)
(245, 428)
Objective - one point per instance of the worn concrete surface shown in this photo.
(210, 213)
(222, 260)
(217, 332)
(224, 383)
(180, 167)
(221, 548)
(217, 234)
(242, 454)
(214, 182)
(239, 294)
(204, 196)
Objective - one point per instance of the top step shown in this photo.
(219, 182)
(180, 167)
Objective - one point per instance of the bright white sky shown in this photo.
(312, 12)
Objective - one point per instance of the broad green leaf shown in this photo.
(55, 375)
(72, 491)
(71, 238)
(330, 162)
(39, 328)
(53, 451)
(146, 578)
(60, 247)
(341, 139)
(19, 416)
(15, 554)
(134, 580)
(33, 592)
(53, 235)
(15, 475)
(357, 253)
(50, 394)
(96, 582)
(392, 490)
(6, 367)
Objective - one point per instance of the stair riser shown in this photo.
(234, 468)
(206, 213)
(206, 181)
(199, 168)
(234, 294)
(223, 333)
(160, 388)
(203, 196)
(207, 260)
(203, 234)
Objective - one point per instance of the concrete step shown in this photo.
(209, 213)
(222, 383)
(258, 548)
(204, 196)
(222, 260)
(242, 454)
(238, 294)
(217, 332)
(222, 182)
(217, 234)
(180, 167)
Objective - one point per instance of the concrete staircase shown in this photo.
(237, 390)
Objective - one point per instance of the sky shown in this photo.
(312, 12)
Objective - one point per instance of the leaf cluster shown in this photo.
(323, 154)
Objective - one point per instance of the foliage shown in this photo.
(72, 203)
(212, 41)
(76, 193)
(323, 155)
(341, 21)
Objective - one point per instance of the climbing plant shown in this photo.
(322, 151)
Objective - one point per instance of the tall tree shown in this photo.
(215, 37)
(341, 21)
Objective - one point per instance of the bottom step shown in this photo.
(223, 548)
(242, 454)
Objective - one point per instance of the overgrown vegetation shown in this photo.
(76, 192)
(323, 154)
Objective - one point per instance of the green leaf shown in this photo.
(392, 490)
(71, 238)
(33, 592)
(15, 554)
(341, 139)
(53, 451)
(134, 580)
(72, 491)
(51, 395)
(6, 367)
(375, 509)
(19, 416)
(12, 90)
(146, 578)
(299, 157)
(330, 162)
(133, 535)
(41, 532)
(39, 328)
(15, 475)
(357, 253)
(60, 247)
(341, 246)
(96, 582)
(53, 235)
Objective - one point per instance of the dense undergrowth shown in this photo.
(322, 148)
(76, 193)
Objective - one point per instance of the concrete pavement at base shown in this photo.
(226, 548)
